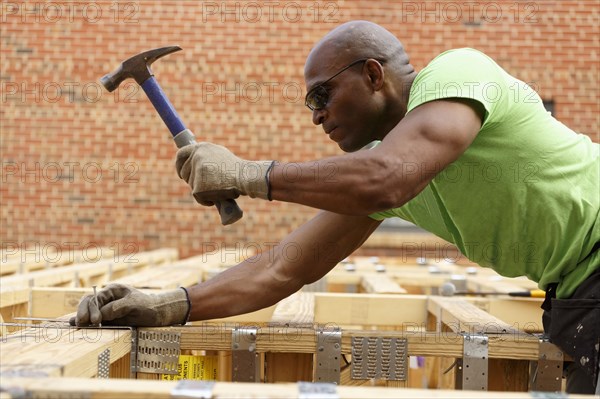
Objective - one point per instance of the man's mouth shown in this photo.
(335, 135)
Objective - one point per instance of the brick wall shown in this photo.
(82, 167)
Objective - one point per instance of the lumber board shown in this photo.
(400, 312)
(53, 302)
(304, 308)
(496, 283)
(47, 258)
(19, 298)
(141, 389)
(380, 284)
(462, 316)
(370, 309)
(258, 317)
(289, 339)
(524, 314)
(31, 262)
(180, 273)
(288, 367)
(10, 296)
(84, 274)
(3, 329)
(13, 303)
(295, 310)
(56, 350)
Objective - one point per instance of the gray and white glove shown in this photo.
(122, 305)
(215, 174)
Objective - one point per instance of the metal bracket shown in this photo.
(193, 389)
(157, 352)
(379, 357)
(328, 355)
(317, 390)
(472, 369)
(133, 353)
(104, 364)
(244, 359)
(547, 376)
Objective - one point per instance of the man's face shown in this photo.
(348, 116)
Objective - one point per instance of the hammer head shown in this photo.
(136, 67)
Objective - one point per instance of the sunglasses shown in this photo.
(318, 97)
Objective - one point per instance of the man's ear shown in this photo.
(375, 74)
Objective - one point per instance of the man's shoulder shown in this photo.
(464, 73)
(461, 55)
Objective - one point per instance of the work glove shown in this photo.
(122, 305)
(215, 174)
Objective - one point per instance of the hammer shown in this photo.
(138, 68)
(449, 289)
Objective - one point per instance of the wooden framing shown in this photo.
(433, 326)
(17, 290)
(27, 260)
(285, 335)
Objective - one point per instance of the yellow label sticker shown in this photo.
(192, 367)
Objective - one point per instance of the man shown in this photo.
(462, 149)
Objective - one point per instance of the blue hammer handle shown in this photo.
(229, 210)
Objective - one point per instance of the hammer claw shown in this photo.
(136, 67)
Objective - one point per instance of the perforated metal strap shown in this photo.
(328, 355)
(244, 359)
(104, 364)
(158, 351)
(472, 369)
(379, 357)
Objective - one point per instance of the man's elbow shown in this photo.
(381, 196)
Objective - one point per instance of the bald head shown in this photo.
(355, 40)
(365, 103)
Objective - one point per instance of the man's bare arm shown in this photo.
(427, 140)
(304, 256)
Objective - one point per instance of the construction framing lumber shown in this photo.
(433, 326)
(57, 350)
(138, 389)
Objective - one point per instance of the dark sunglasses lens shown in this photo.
(317, 98)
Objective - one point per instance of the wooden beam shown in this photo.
(380, 284)
(47, 258)
(462, 316)
(524, 314)
(295, 310)
(85, 274)
(54, 349)
(495, 283)
(10, 296)
(370, 309)
(53, 302)
(211, 336)
(142, 389)
(288, 367)
(14, 302)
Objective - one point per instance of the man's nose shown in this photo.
(318, 116)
